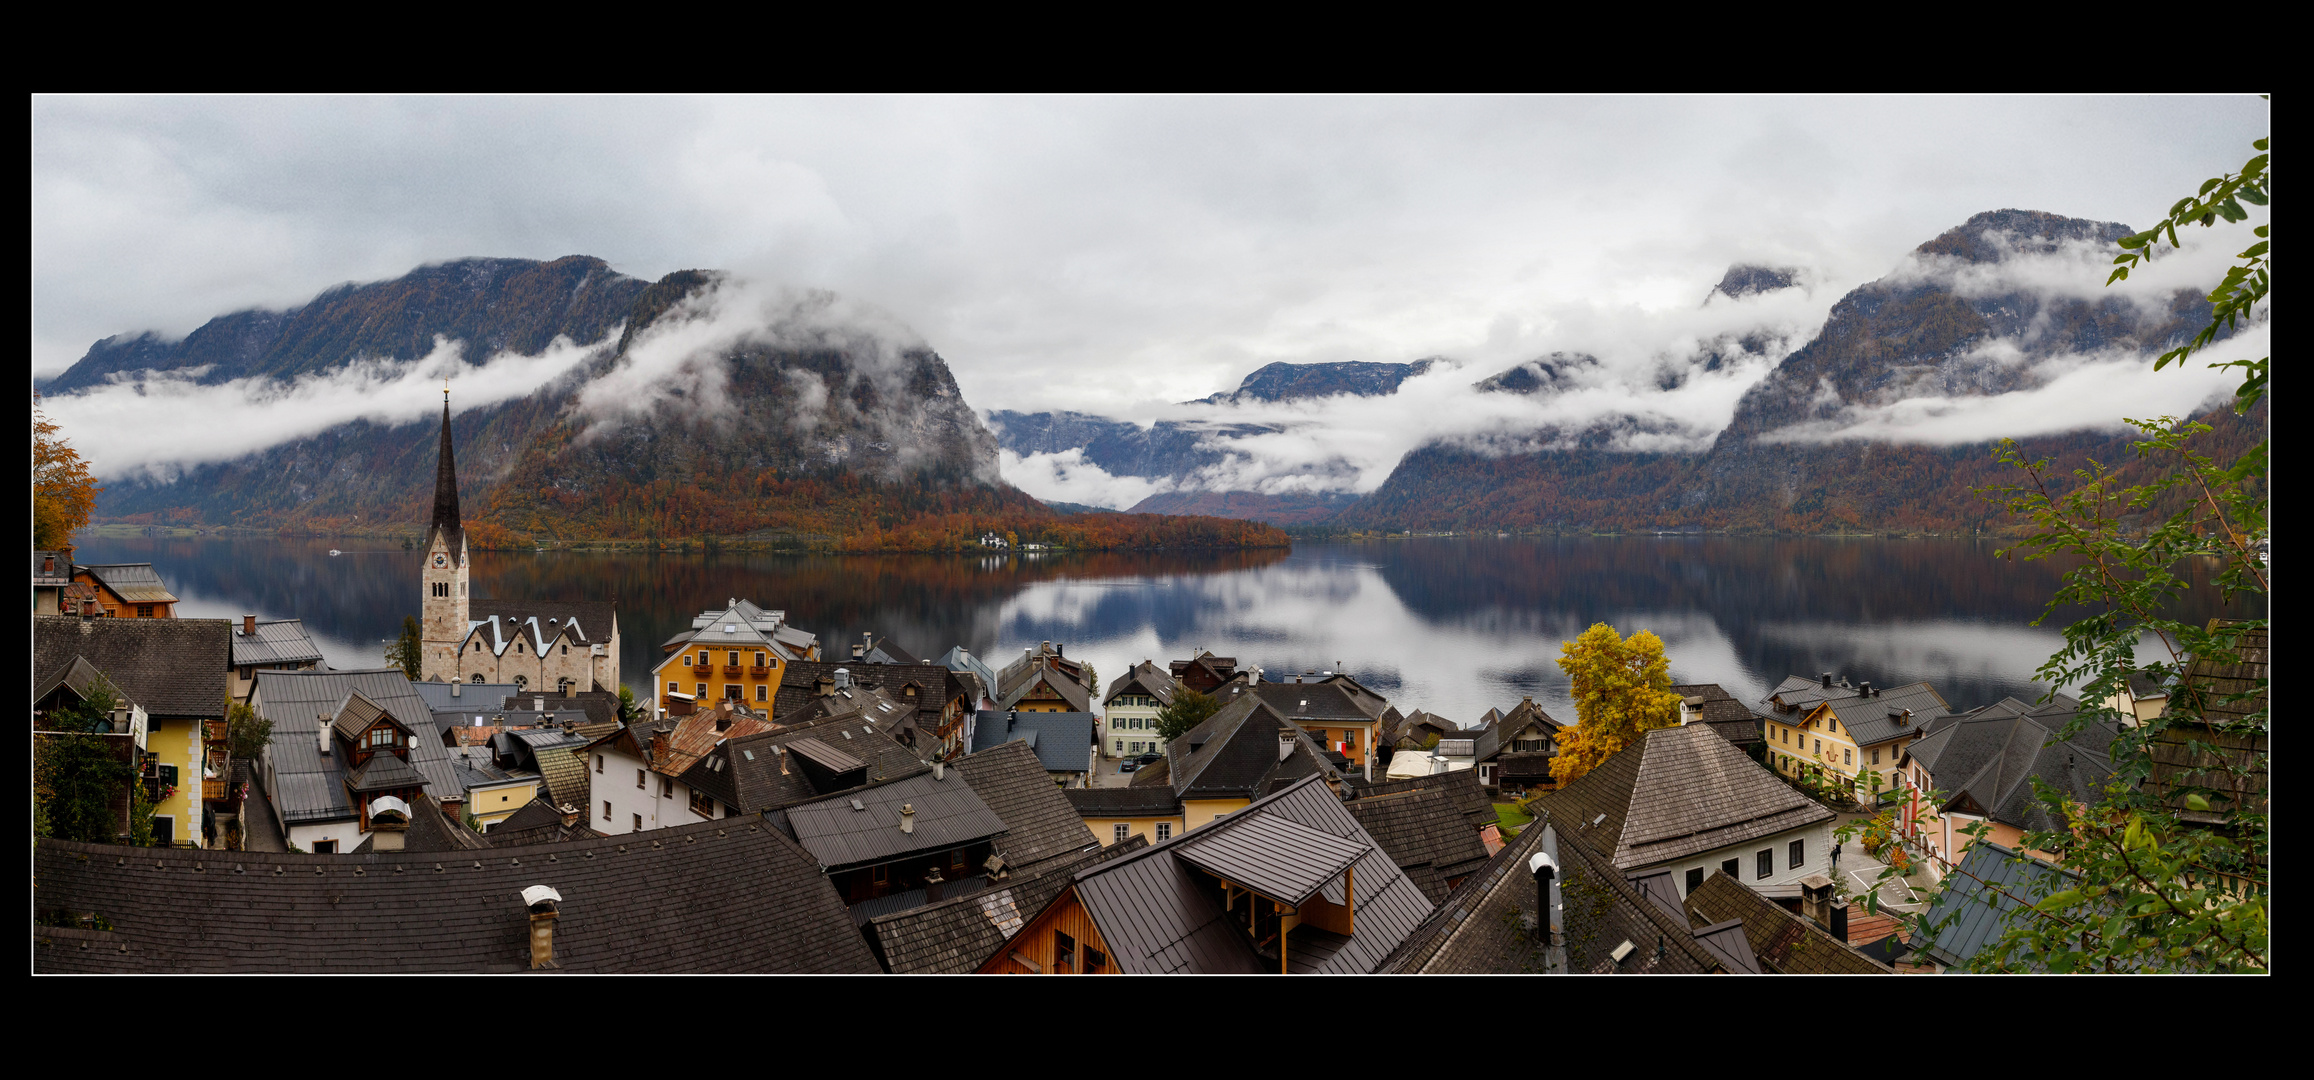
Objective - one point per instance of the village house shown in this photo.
(932, 703)
(1710, 704)
(1291, 884)
(1340, 715)
(51, 576)
(668, 760)
(739, 653)
(1117, 815)
(310, 773)
(1129, 711)
(1684, 800)
(172, 675)
(1204, 672)
(1241, 753)
(128, 590)
(280, 644)
(533, 644)
(1848, 735)
(1044, 679)
(1983, 763)
(1515, 751)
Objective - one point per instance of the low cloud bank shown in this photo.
(152, 425)
(1068, 477)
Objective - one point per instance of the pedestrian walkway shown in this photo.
(1860, 875)
(258, 830)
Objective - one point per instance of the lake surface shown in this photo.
(1452, 625)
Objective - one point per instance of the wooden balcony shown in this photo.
(214, 790)
(703, 670)
(731, 671)
(759, 673)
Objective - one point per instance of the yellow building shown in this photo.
(1119, 814)
(739, 653)
(1213, 770)
(170, 676)
(1850, 735)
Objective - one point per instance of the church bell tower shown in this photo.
(442, 627)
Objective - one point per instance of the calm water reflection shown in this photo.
(1451, 625)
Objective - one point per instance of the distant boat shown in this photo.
(333, 551)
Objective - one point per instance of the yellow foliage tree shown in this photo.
(1622, 688)
(63, 491)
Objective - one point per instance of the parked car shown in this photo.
(1148, 759)
(1128, 766)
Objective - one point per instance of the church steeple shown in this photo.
(446, 481)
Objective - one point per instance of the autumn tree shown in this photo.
(1622, 688)
(63, 491)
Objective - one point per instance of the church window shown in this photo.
(477, 678)
(566, 648)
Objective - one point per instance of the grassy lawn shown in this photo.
(1510, 815)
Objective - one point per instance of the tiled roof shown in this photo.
(278, 641)
(172, 667)
(719, 896)
(1678, 792)
(311, 785)
(1986, 760)
(1039, 822)
(953, 936)
(934, 684)
(1422, 827)
(1487, 926)
(1461, 787)
(764, 778)
(2231, 696)
(1045, 672)
(1786, 944)
(136, 583)
(430, 830)
(1124, 802)
(1159, 915)
(864, 826)
(1727, 715)
(1063, 740)
(1868, 720)
(1315, 701)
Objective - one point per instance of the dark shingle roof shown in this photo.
(1677, 792)
(1039, 822)
(383, 772)
(1234, 753)
(535, 823)
(1124, 802)
(1145, 677)
(765, 779)
(798, 688)
(1727, 715)
(1784, 943)
(172, 667)
(1461, 788)
(1867, 719)
(1986, 760)
(953, 936)
(278, 641)
(1422, 828)
(430, 830)
(1314, 701)
(2231, 695)
(1486, 926)
(719, 896)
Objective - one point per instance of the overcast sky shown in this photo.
(1081, 253)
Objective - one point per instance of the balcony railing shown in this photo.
(213, 790)
(759, 672)
(730, 671)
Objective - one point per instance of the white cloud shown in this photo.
(152, 425)
(1068, 477)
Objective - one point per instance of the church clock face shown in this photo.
(440, 560)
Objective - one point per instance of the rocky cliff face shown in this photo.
(708, 387)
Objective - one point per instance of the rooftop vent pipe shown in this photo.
(908, 818)
(1544, 868)
(1827, 678)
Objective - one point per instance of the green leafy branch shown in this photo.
(2245, 284)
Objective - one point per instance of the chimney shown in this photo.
(939, 770)
(248, 626)
(932, 883)
(454, 684)
(843, 678)
(659, 746)
(542, 901)
(859, 651)
(1864, 689)
(1285, 743)
(538, 704)
(389, 824)
(1816, 899)
(1010, 718)
(323, 731)
(908, 818)
(1545, 870)
(1827, 679)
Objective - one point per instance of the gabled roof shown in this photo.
(384, 772)
(1161, 915)
(883, 650)
(1488, 925)
(953, 936)
(311, 785)
(357, 712)
(1063, 740)
(962, 662)
(431, 830)
(1677, 792)
(1784, 943)
(278, 641)
(1019, 679)
(136, 583)
(1460, 787)
(51, 569)
(731, 895)
(1234, 753)
(1314, 702)
(80, 675)
(1275, 857)
(172, 667)
(1727, 715)
(540, 624)
(1422, 827)
(798, 690)
(1142, 678)
(1039, 821)
(1867, 719)
(765, 776)
(863, 826)
(1986, 760)
(1979, 901)
(535, 823)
